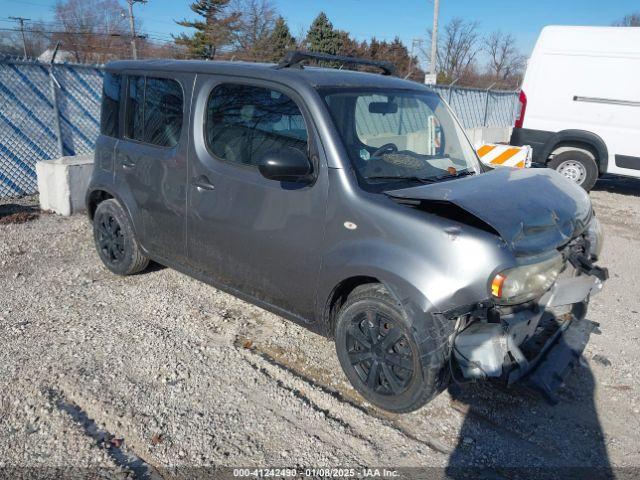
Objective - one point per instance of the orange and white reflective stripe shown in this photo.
(495, 155)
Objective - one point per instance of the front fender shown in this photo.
(423, 282)
(371, 259)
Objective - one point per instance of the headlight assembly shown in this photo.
(595, 236)
(526, 282)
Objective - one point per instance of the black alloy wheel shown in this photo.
(110, 238)
(115, 239)
(379, 353)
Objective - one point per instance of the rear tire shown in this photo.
(395, 362)
(577, 166)
(115, 241)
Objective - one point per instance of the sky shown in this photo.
(384, 19)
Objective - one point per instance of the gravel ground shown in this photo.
(131, 376)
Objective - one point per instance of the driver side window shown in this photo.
(245, 122)
(404, 127)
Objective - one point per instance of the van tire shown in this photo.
(421, 345)
(576, 166)
(115, 240)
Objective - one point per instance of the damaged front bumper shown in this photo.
(537, 344)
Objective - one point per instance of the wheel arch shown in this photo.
(405, 294)
(339, 296)
(99, 194)
(579, 139)
(94, 198)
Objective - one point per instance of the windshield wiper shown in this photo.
(393, 177)
(463, 173)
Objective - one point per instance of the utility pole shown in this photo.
(434, 43)
(132, 26)
(21, 20)
(414, 42)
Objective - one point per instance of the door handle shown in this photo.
(202, 183)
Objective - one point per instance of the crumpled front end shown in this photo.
(537, 342)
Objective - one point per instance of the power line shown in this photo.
(66, 32)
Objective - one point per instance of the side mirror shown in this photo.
(285, 165)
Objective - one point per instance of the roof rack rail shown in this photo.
(296, 57)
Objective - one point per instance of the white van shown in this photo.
(580, 102)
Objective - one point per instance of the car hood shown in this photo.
(532, 210)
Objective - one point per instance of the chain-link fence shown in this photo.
(478, 108)
(48, 111)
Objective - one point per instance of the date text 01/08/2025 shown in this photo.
(315, 472)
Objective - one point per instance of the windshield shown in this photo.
(400, 136)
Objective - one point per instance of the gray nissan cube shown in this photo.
(351, 203)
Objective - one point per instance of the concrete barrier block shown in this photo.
(481, 135)
(63, 182)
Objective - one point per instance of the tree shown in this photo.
(322, 37)
(256, 24)
(397, 53)
(350, 47)
(280, 40)
(214, 31)
(631, 20)
(505, 62)
(94, 31)
(457, 50)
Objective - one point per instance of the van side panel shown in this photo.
(586, 79)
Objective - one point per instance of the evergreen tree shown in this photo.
(280, 40)
(322, 37)
(213, 31)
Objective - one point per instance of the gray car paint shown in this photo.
(287, 249)
(534, 211)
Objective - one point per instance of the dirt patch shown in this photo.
(21, 217)
(13, 213)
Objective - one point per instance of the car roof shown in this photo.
(313, 76)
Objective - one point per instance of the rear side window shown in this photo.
(109, 118)
(154, 110)
(135, 108)
(245, 122)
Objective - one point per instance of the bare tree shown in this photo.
(93, 30)
(457, 49)
(505, 61)
(257, 21)
(631, 20)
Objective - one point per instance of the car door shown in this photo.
(259, 237)
(151, 160)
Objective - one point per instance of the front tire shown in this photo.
(395, 362)
(115, 241)
(577, 166)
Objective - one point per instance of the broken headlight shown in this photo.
(526, 282)
(595, 236)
